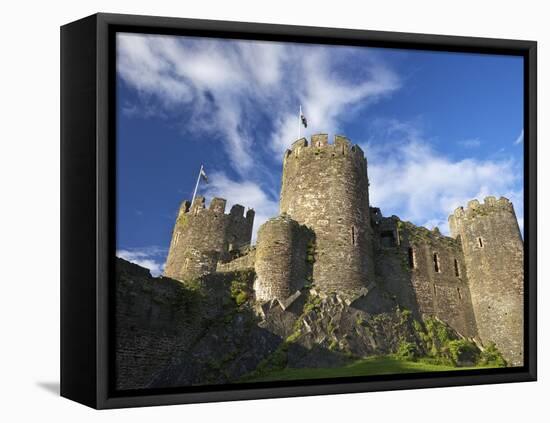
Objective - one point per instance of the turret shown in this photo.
(493, 253)
(201, 237)
(283, 263)
(325, 187)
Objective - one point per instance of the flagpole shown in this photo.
(196, 186)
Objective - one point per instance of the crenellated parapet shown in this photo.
(319, 148)
(202, 236)
(474, 209)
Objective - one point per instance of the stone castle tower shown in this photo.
(281, 264)
(202, 237)
(327, 236)
(493, 254)
(326, 188)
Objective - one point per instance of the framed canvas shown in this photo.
(258, 211)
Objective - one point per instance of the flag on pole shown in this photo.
(303, 118)
(203, 175)
(301, 121)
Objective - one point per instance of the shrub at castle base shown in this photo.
(329, 280)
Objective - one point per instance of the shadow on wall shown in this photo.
(425, 272)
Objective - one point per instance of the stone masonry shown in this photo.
(424, 270)
(282, 265)
(325, 187)
(327, 236)
(493, 253)
(201, 237)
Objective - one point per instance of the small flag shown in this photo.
(303, 119)
(203, 175)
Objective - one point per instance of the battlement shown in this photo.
(474, 208)
(217, 206)
(320, 147)
(184, 207)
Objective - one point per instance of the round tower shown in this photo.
(325, 187)
(493, 254)
(203, 236)
(282, 263)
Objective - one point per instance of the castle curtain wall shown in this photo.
(425, 272)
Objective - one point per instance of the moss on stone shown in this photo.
(313, 303)
(407, 351)
(491, 356)
(463, 351)
(182, 219)
(239, 290)
(333, 345)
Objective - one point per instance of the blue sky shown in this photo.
(438, 129)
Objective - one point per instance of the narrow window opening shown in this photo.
(411, 258)
(387, 238)
(186, 266)
(457, 269)
(480, 242)
(459, 294)
(353, 235)
(436, 263)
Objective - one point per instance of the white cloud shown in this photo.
(412, 180)
(151, 258)
(247, 193)
(519, 139)
(224, 84)
(326, 97)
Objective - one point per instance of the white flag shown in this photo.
(203, 175)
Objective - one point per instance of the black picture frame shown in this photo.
(88, 197)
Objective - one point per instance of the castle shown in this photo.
(328, 237)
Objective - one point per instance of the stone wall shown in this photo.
(244, 262)
(282, 265)
(201, 237)
(425, 271)
(152, 315)
(325, 187)
(493, 252)
(173, 334)
(439, 277)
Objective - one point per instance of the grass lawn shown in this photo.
(364, 367)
